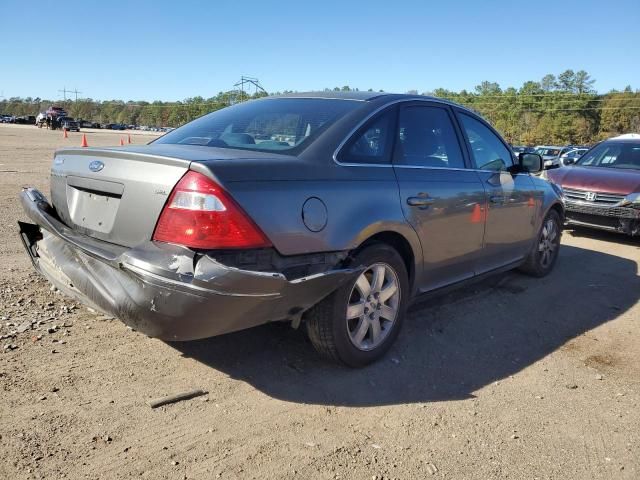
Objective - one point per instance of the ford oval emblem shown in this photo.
(96, 166)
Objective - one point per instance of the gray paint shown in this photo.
(351, 203)
(166, 291)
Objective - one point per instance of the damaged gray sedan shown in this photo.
(332, 211)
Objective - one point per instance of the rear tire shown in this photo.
(544, 254)
(353, 325)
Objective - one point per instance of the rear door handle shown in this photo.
(421, 202)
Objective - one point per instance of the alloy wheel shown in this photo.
(548, 243)
(373, 306)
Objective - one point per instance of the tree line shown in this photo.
(562, 109)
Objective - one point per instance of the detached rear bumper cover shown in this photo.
(165, 291)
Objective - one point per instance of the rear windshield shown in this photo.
(285, 125)
(613, 155)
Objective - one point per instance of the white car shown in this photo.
(572, 156)
(550, 155)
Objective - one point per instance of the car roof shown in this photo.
(635, 137)
(360, 96)
(363, 96)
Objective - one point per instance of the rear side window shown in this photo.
(427, 138)
(489, 153)
(372, 143)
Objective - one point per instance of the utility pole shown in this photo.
(251, 81)
(64, 93)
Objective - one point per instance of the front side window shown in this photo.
(284, 125)
(489, 153)
(613, 155)
(427, 138)
(372, 143)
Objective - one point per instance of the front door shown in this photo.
(442, 199)
(512, 198)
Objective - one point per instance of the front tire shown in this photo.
(544, 254)
(357, 323)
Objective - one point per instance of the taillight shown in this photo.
(200, 214)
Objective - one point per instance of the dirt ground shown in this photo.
(515, 378)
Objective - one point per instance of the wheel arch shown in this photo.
(559, 208)
(412, 258)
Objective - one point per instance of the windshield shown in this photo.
(548, 151)
(613, 155)
(284, 125)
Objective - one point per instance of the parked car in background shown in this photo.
(41, 119)
(7, 119)
(550, 155)
(517, 149)
(373, 200)
(69, 124)
(86, 123)
(55, 112)
(572, 156)
(25, 120)
(602, 189)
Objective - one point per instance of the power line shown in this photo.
(64, 91)
(518, 94)
(248, 80)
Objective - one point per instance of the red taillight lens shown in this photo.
(200, 214)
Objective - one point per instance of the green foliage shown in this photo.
(556, 110)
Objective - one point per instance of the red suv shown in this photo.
(602, 189)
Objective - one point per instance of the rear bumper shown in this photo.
(165, 291)
(615, 219)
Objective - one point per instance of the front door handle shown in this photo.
(421, 202)
(496, 198)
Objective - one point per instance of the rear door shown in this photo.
(512, 198)
(441, 198)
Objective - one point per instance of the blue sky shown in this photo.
(171, 50)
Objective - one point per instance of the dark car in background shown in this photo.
(87, 124)
(25, 120)
(69, 124)
(517, 149)
(332, 210)
(602, 189)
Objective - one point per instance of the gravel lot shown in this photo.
(513, 378)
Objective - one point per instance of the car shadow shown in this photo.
(449, 347)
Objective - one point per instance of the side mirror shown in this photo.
(530, 162)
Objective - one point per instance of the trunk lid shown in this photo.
(115, 195)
